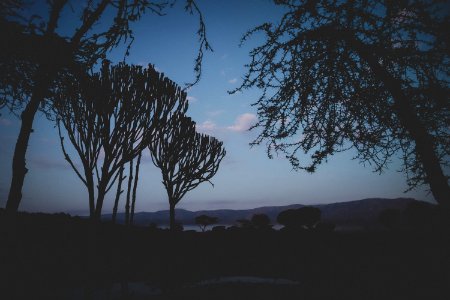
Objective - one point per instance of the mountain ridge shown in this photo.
(362, 213)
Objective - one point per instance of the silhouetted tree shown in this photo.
(305, 217)
(244, 223)
(177, 226)
(118, 193)
(33, 54)
(390, 218)
(185, 158)
(128, 200)
(136, 178)
(203, 221)
(260, 221)
(115, 112)
(367, 75)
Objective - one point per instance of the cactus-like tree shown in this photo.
(34, 53)
(110, 118)
(186, 158)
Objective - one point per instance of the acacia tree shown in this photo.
(34, 54)
(186, 158)
(368, 75)
(114, 114)
(203, 221)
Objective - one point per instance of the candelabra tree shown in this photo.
(109, 118)
(34, 53)
(186, 158)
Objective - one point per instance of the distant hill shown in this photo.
(359, 213)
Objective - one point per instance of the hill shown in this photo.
(359, 213)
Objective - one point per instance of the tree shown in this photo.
(35, 54)
(244, 223)
(305, 217)
(260, 221)
(368, 75)
(186, 158)
(115, 112)
(203, 221)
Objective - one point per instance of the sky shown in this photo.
(247, 178)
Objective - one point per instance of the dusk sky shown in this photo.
(247, 178)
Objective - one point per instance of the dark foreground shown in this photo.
(57, 257)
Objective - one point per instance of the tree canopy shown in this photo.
(186, 158)
(203, 221)
(305, 217)
(34, 54)
(367, 75)
(116, 112)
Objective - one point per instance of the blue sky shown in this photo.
(246, 178)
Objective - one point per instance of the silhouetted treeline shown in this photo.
(383, 265)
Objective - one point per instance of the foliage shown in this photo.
(260, 221)
(34, 41)
(244, 223)
(367, 75)
(203, 221)
(114, 113)
(186, 158)
(305, 217)
(34, 55)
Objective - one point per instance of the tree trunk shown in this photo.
(425, 146)
(136, 178)
(91, 193)
(118, 193)
(172, 217)
(127, 205)
(43, 77)
(98, 209)
(19, 169)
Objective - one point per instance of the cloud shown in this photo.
(206, 127)
(232, 81)
(5, 122)
(191, 99)
(224, 56)
(243, 122)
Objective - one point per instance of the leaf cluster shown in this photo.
(186, 158)
(320, 95)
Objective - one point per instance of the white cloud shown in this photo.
(206, 127)
(232, 81)
(225, 56)
(243, 122)
(191, 99)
